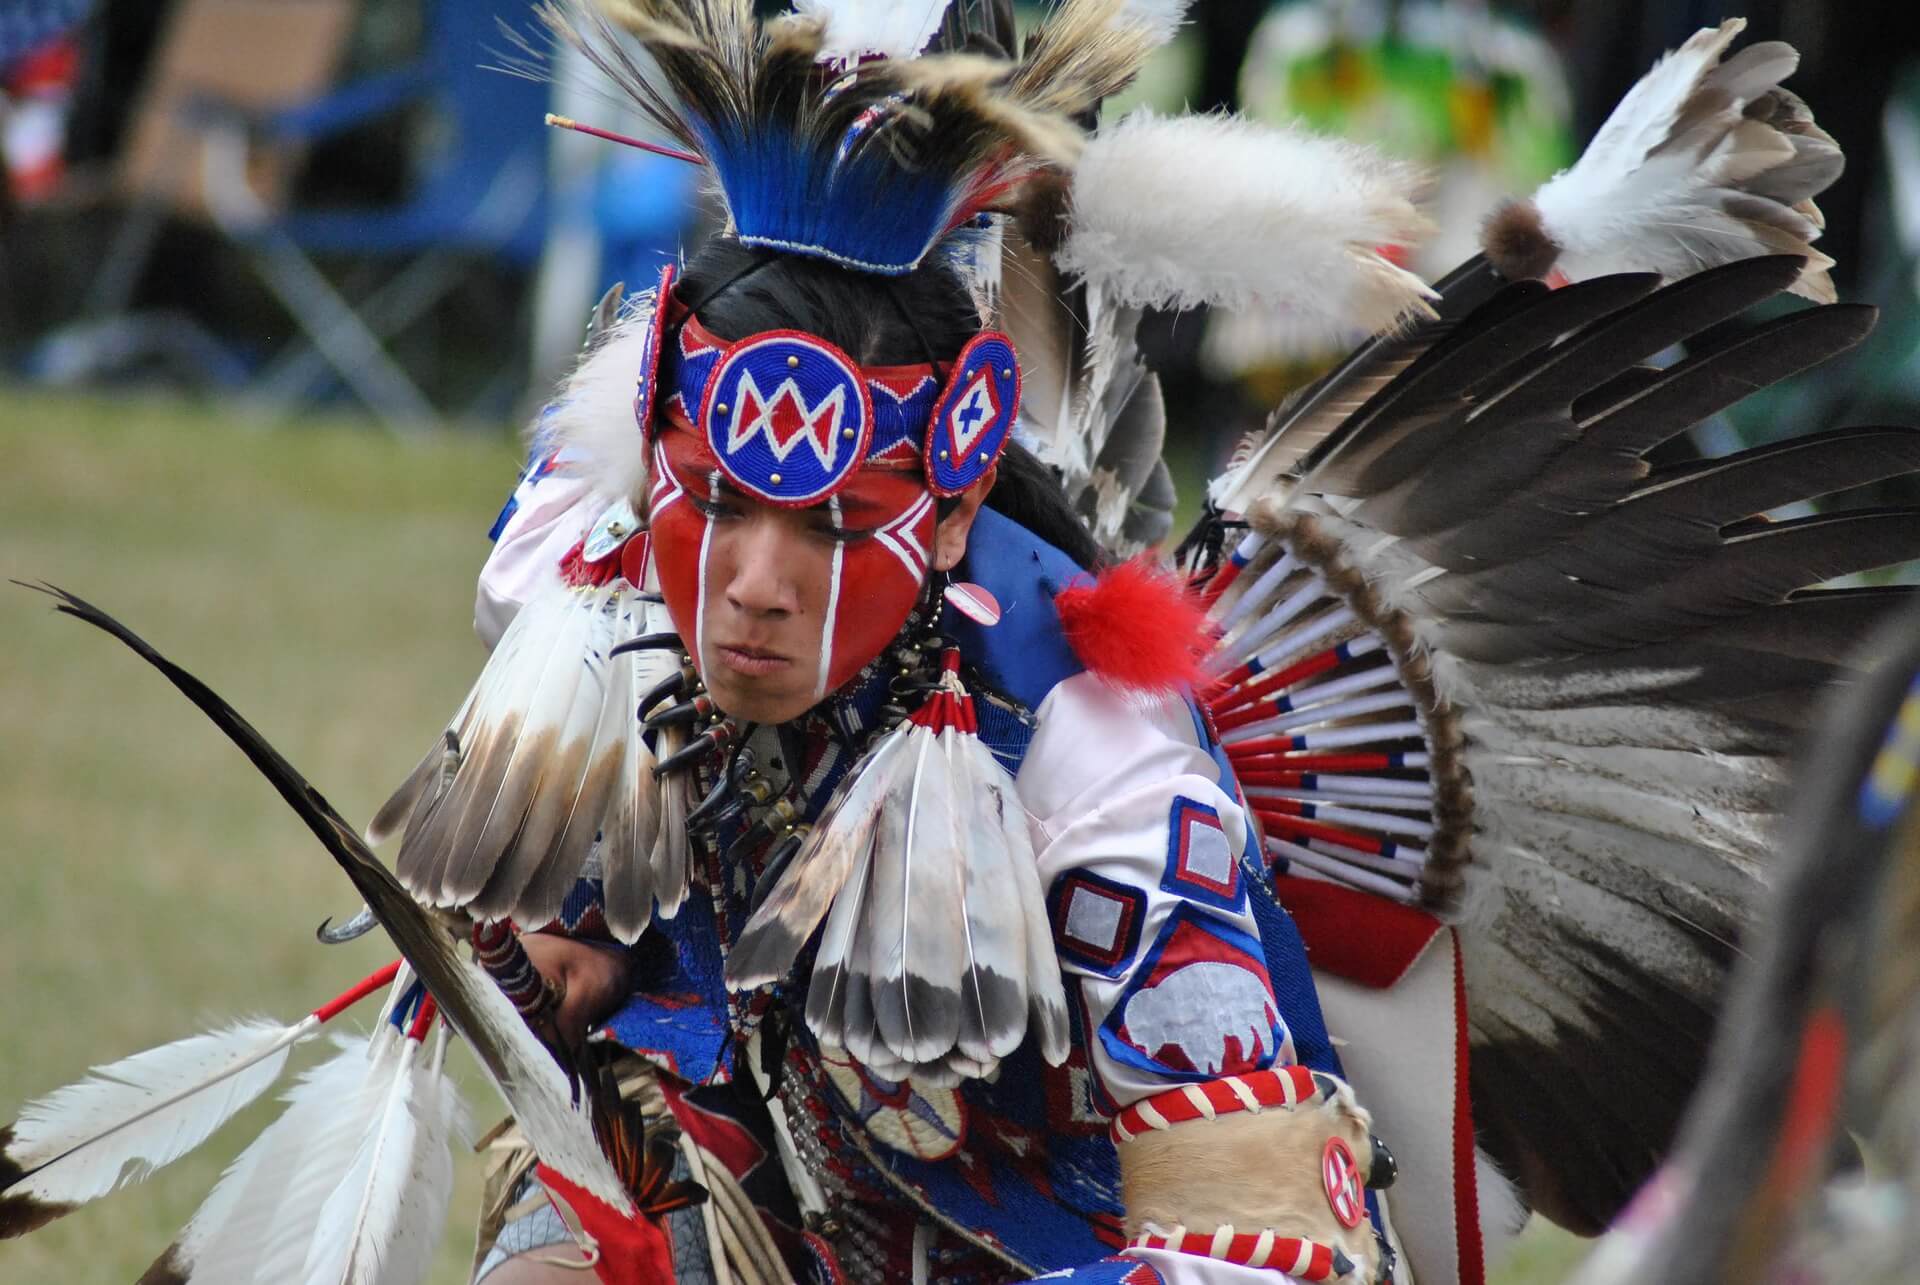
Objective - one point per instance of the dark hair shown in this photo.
(927, 315)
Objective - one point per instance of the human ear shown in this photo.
(950, 536)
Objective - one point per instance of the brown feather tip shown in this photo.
(166, 1270)
(19, 1213)
(1516, 242)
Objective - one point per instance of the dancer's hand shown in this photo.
(591, 980)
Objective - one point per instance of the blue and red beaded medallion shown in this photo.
(972, 420)
(788, 416)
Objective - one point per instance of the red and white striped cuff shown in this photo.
(1307, 1260)
(1284, 1086)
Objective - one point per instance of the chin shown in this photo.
(748, 702)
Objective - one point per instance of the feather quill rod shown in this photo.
(625, 140)
(518, 1064)
(132, 1117)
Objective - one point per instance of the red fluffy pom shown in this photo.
(1136, 626)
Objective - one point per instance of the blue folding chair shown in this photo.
(478, 191)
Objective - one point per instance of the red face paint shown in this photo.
(782, 606)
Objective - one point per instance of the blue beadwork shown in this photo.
(974, 416)
(788, 416)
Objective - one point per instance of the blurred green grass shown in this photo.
(320, 577)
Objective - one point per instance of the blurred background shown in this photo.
(279, 281)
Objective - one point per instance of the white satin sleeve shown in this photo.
(1139, 849)
(551, 511)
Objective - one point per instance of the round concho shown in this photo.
(1341, 1177)
(647, 378)
(788, 416)
(971, 421)
(916, 1120)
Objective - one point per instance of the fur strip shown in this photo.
(1194, 1175)
(1291, 223)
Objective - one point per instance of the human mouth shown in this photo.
(753, 661)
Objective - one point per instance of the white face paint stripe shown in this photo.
(664, 485)
(899, 539)
(833, 603)
(700, 595)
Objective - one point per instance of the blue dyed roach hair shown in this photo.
(869, 168)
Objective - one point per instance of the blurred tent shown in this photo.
(238, 92)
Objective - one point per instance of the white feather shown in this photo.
(1046, 994)
(996, 929)
(381, 1223)
(1290, 223)
(857, 29)
(625, 848)
(130, 1117)
(932, 925)
(1651, 193)
(258, 1223)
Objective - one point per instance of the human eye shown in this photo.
(824, 528)
(718, 507)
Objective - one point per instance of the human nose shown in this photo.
(759, 584)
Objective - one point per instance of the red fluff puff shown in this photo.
(1136, 626)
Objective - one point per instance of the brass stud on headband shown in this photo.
(773, 479)
(792, 361)
(846, 434)
(721, 409)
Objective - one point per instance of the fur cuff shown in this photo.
(1271, 1165)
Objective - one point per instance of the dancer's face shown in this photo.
(781, 606)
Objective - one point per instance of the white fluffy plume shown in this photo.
(1179, 212)
(858, 29)
(592, 418)
(1702, 163)
(129, 1118)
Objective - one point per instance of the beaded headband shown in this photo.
(790, 417)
